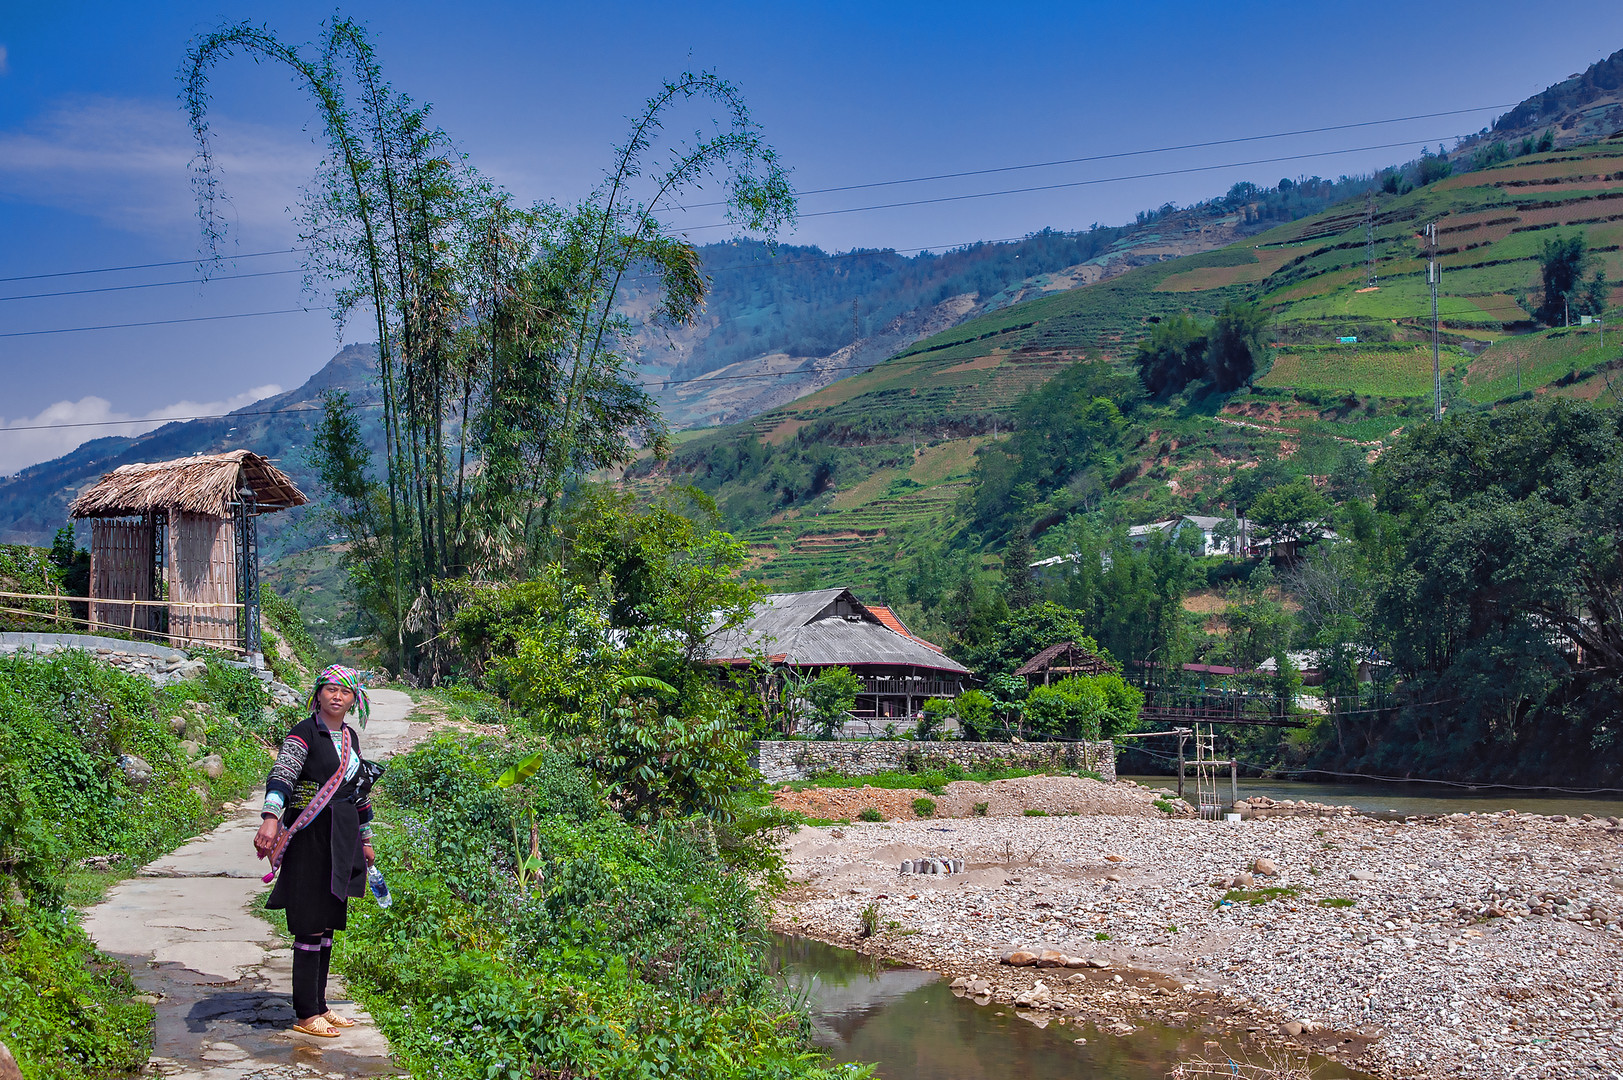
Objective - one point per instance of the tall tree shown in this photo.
(1562, 261)
(504, 351)
(1503, 603)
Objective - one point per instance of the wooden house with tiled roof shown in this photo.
(810, 631)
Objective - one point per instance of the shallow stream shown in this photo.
(913, 1027)
(1407, 798)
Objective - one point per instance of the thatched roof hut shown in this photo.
(174, 550)
(1062, 660)
(205, 484)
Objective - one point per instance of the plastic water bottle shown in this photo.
(380, 888)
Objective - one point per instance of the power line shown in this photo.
(148, 285)
(888, 183)
(653, 383)
(1124, 154)
(143, 266)
(1081, 183)
(156, 322)
(181, 419)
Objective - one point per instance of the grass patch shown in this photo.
(924, 807)
(981, 808)
(870, 813)
(1101, 936)
(1337, 901)
(1036, 813)
(1258, 897)
(1166, 806)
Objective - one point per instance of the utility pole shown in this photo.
(1369, 236)
(1436, 351)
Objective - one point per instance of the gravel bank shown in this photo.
(1480, 946)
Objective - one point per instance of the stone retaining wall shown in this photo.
(160, 663)
(781, 760)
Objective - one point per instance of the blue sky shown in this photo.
(94, 147)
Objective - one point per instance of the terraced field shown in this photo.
(1398, 369)
(953, 391)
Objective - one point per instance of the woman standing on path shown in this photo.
(317, 830)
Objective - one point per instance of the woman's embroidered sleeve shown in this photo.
(284, 774)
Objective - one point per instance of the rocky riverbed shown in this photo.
(1463, 946)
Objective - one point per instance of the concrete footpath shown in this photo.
(219, 977)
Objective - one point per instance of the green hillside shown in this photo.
(837, 485)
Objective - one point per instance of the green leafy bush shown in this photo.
(71, 729)
(976, 713)
(870, 813)
(1084, 707)
(924, 807)
(631, 954)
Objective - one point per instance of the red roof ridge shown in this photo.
(892, 622)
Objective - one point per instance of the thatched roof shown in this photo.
(205, 484)
(1068, 658)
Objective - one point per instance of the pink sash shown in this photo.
(315, 807)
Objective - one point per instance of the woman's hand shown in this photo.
(367, 853)
(265, 839)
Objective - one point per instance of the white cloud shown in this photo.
(47, 435)
(127, 163)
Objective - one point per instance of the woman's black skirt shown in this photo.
(322, 868)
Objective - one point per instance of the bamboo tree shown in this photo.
(502, 325)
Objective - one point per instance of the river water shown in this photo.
(912, 1027)
(1407, 798)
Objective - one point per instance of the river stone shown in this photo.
(1051, 958)
(1362, 875)
(8, 1065)
(1020, 958)
(1076, 961)
(1097, 962)
(1292, 1028)
(177, 724)
(1266, 866)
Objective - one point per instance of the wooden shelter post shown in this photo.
(248, 551)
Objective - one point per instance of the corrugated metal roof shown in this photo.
(787, 625)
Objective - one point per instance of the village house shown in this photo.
(806, 633)
(1208, 536)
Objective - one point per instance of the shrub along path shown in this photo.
(219, 976)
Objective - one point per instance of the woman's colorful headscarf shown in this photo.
(349, 679)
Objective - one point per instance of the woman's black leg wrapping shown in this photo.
(309, 973)
(326, 963)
